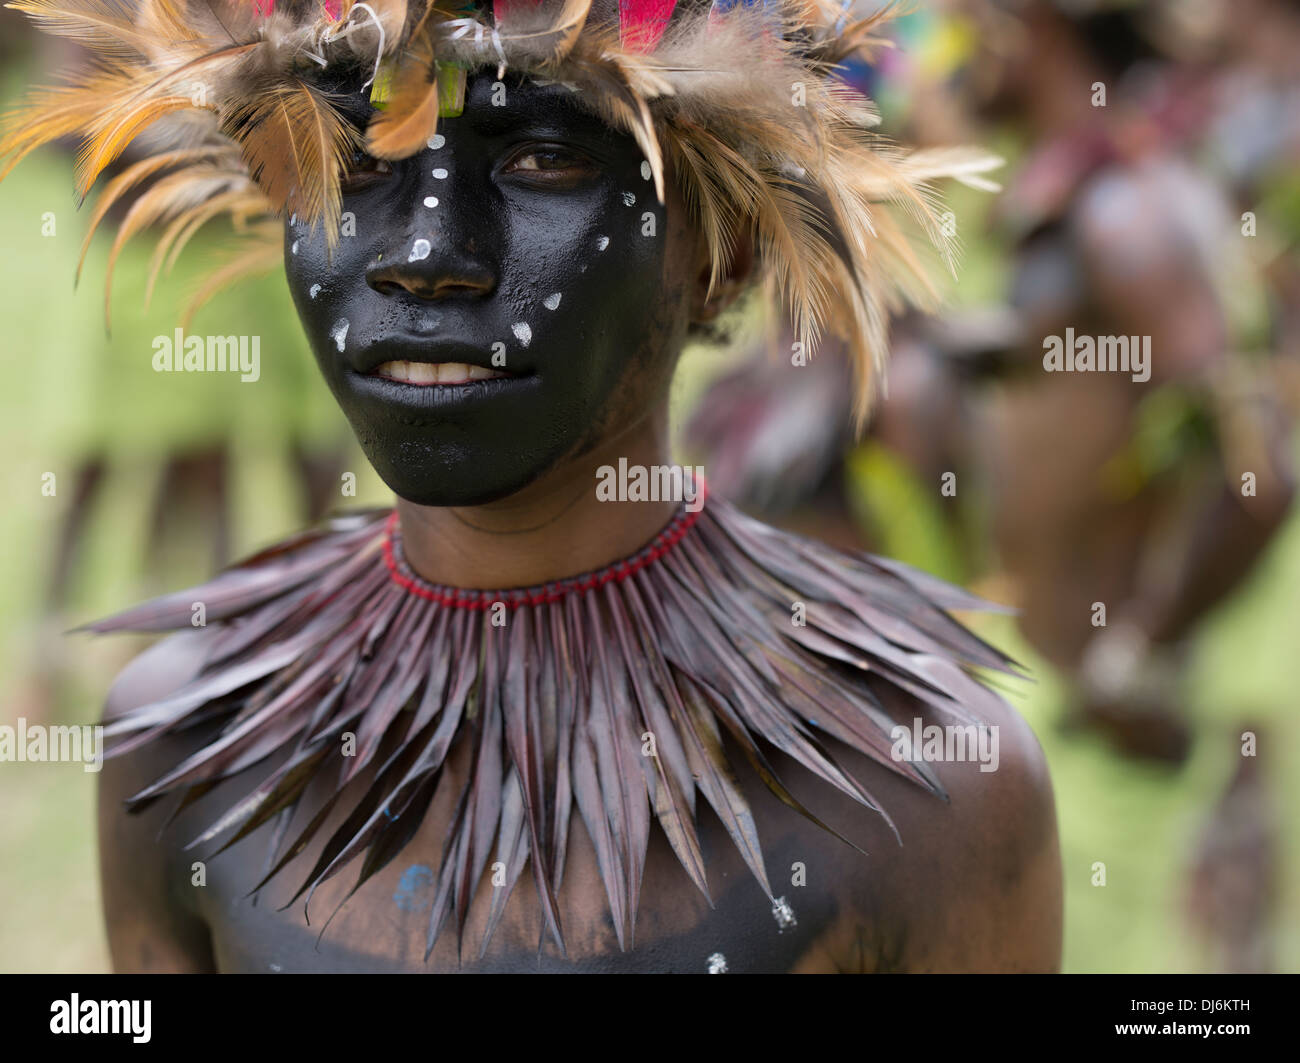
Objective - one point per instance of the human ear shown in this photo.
(737, 272)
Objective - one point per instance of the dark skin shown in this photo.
(495, 489)
(975, 886)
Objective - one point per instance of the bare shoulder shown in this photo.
(994, 855)
(155, 673)
(970, 884)
(152, 927)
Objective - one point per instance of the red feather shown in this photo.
(642, 23)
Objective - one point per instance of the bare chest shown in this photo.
(384, 926)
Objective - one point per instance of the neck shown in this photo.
(552, 529)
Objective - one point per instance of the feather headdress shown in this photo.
(739, 95)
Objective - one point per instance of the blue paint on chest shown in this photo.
(412, 890)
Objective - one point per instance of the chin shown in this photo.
(465, 475)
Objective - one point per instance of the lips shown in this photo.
(430, 374)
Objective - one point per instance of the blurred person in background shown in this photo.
(1122, 511)
(1150, 500)
(776, 431)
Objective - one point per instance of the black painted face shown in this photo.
(526, 240)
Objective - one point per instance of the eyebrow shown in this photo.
(541, 105)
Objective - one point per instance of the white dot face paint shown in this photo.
(436, 141)
(551, 301)
(430, 201)
(294, 249)
(339, 333)
(522, 332)
(314, 290)
(602, 243)
(440, 174)
(645, 171)
(629, 200)
(419, 250)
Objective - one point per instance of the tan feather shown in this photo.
(260, 251)
(963, 164)
(91, 22)
(542, 35)
(605, 80)
(183, 228)
(111, 134)
(856, 38)
(296, 146)
(405, 125)
(165, 20)
(132, 177)
(165, 199)
(392, 15)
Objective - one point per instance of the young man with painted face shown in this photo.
(508, 675)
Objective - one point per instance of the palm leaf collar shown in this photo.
(555, 689)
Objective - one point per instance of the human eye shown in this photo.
(550, 164)
(363, 171)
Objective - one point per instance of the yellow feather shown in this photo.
(261, 251)
(133, 176)
(111, 135)
(182, 229)
(50, 113)
(164, 200)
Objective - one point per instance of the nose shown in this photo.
(434, 261)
